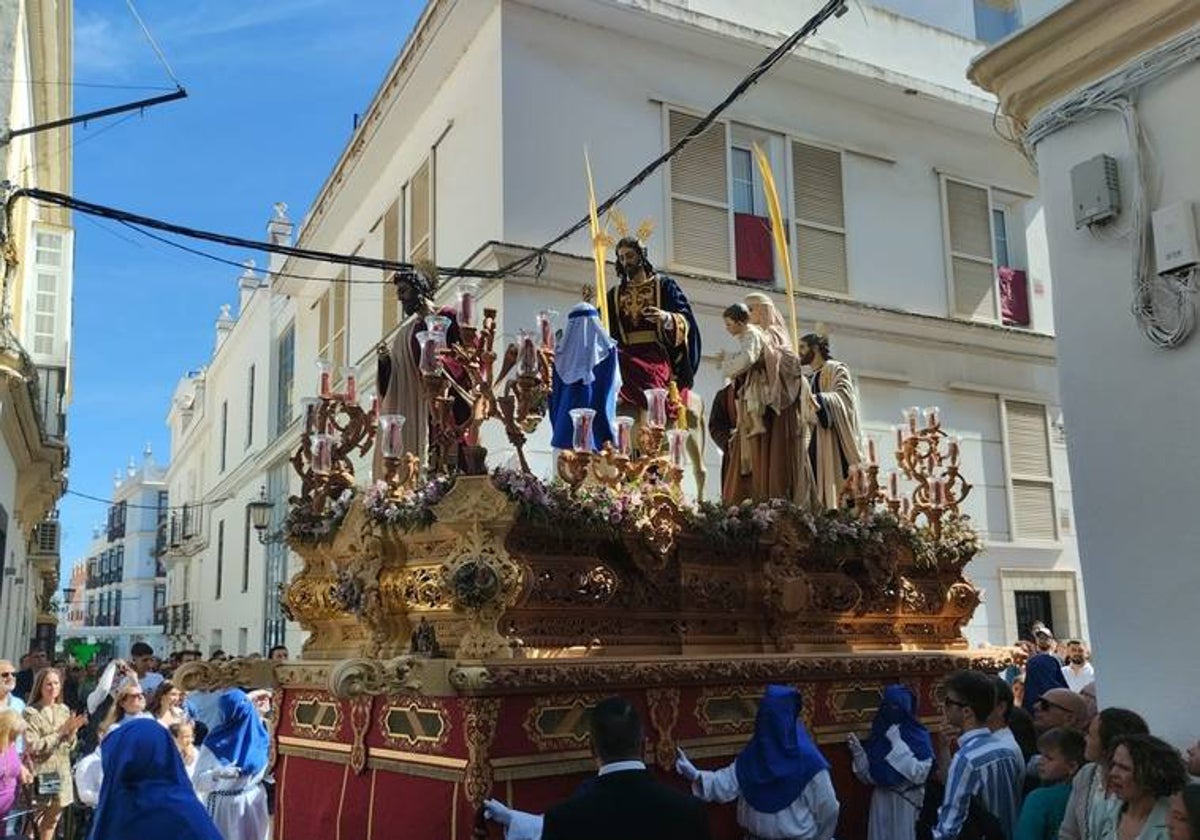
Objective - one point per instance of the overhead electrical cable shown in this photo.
(832, 8)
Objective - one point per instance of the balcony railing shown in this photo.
(178, 620)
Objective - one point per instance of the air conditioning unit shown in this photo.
(46, 538)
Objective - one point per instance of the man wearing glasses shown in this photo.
(983, 768)
(1060, 707)
(8, 700)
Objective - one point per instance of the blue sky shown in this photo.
(273, 86)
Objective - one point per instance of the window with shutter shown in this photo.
(391, 251)
(1030, 473)
(820, 218)
(700, 210)
(420, 215)
(331, 325)
(968, 226)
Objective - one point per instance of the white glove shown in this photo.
(228, 772)
(684, 766)
(858, 756)
(497, 811)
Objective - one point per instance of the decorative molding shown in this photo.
(232, 673)
(562, 674)
(480, 726)
(355, 677)
(1078, 43)
(325, 721)
(419, 724)
(559, 721)
(664, 714)
(360, 723)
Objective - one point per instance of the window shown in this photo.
(248, 527)
(51, 262)
(970, 249)
(275, 566)
(1033, 606)
(119, 564)
(820, 218)
(52, 383)
(1000, 236)
(331, 318)
(719, 219)
(420, 213)
(699, 197)
(224, 431)
(285, 367)
(1029, 469)
(243, 640)
(392, 237)
(220, 556)
(250, 407)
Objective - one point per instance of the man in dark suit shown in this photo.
(624, 802)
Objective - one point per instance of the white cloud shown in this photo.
(101, 49)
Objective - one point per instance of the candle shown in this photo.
(625, 435)
(864, 482)
(351, 378)
(391, 428)
(322, 454)
(375, 404)
(871, 451)
(581, 429)
(955, 444)
(911, 416)
(893, 484)
(656, 407)
(468, 295)
(324, 379)
(899, 437)
(905, 506)
(545, 321)
(677, 447)
(931, 416)
(939, 492)
(527, 360)
(312, 409)
(430, 343)
(437, 323)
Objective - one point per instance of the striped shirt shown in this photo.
(985, 766)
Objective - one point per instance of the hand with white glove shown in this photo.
(684, 766)
(497, 811)
(858, 755)
(231, 771)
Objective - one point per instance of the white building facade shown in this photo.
(123, 577)
(36, 256)
(1130, 411)
(916, 233)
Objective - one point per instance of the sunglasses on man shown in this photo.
(1044, 705)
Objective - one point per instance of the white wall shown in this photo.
(1131, 412)
(607, 88)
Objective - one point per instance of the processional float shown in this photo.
(462, 621)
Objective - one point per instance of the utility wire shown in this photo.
(832, 8)
(153, 44)
(112, 503)
(106, 86)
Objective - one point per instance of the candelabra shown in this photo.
(335, 425)
(463, 372)
(940, 486)
(618, 464)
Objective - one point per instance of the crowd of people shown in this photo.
(90, 753)
(1022, 755)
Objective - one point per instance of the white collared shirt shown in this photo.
(618, 766)
(1076, 681)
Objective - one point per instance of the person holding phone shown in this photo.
(50, 736)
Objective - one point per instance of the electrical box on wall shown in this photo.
(1175, 247)
(1095, 191)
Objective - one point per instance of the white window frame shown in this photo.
(669, 195)
(794, 243)
(949, 255)
(60, 336)
(1014, 534)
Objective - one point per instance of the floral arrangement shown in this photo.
(304, 526)
(411, 512)
(610, 513)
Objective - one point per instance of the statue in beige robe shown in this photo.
(834, 447)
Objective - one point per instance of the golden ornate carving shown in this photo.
(727, 710)
(421, 725)
(664, 714)
(316, 715)
(854, 701)
(231, 673)
(560, 721)
(358, 677)
(360, 722)
(480, 727)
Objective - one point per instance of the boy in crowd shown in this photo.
(1061, 751)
